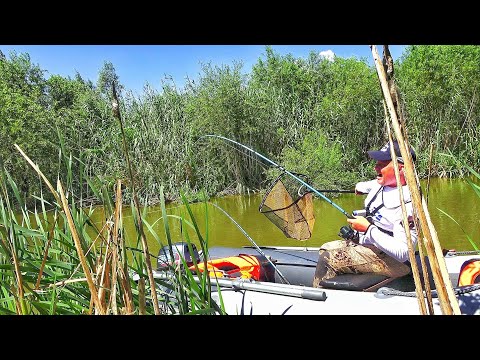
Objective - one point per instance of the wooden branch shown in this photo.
(406, 227)
(448, 301)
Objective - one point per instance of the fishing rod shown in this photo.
(317, 192)
(338, 191)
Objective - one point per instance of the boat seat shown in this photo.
(355, 282)
(372, 282)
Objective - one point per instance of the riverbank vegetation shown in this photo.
(59, 262)
(287, 108)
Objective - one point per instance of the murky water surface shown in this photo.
(454, 197)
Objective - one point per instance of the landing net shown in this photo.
(289, 208)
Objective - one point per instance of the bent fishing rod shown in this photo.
(318, 193)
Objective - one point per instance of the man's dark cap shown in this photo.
(384, 153)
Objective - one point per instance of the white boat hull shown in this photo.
(239, 301)
(338, 302)
(245, 296)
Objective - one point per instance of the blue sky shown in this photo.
(139, 64)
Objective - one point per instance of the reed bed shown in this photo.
(273, 108)
(55, 261)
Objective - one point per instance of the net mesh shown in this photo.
(288, 208)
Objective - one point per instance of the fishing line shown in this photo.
(247, 155)
(315, 191)
(265, 167)
(253, 242)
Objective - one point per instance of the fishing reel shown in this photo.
(347, 233)
(363, 213)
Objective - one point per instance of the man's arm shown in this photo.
(396, 245)
(364, 187)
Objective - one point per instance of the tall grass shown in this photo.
(54, 260)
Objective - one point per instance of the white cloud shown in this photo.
(328, 54)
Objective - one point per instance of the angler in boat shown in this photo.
(378, 242)
(271, 279)
(274, 280)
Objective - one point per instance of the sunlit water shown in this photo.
(455, 197)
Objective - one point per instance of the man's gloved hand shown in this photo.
(360, 223)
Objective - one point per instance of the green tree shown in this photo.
(24, 119)
(440, 86)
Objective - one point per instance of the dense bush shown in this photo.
(287, 109)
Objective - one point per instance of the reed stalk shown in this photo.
(448, 301)
(116, 111)
(78, 245)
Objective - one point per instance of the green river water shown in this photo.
(455, 197)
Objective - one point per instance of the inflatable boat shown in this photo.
(278, 280)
